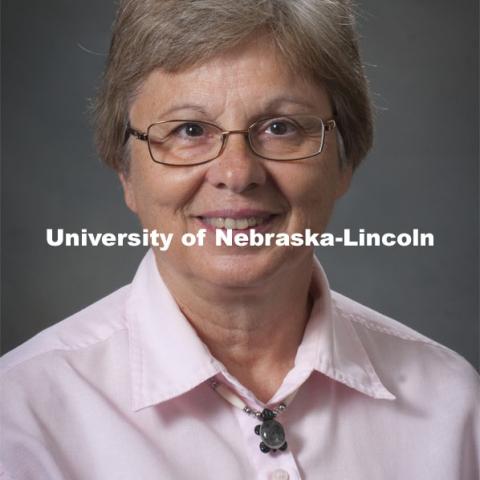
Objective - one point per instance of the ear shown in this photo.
(345, 166)
(344, 179)
(128, 191)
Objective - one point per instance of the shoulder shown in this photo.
(53, 384)
(409, 363)
(375, 321)
(86, 328)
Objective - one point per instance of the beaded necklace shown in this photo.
(271, 431)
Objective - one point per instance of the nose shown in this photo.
(237, 169)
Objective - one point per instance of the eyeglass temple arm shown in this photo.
(330, 125)
(131, 131)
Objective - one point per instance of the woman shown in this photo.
(235, 362)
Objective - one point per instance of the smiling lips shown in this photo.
(240, 220)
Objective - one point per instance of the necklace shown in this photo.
(270, 430)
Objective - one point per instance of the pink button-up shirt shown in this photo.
(121, 391)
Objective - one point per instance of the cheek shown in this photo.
(160, 191)
(309, 187)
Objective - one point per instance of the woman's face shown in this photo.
(232, 90)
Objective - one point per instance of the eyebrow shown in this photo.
(269, 108)
(183, 106)
(277, 102)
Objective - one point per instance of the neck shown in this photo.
(254, 332)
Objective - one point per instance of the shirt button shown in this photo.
(279, 475)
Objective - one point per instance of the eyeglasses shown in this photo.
(192, 142)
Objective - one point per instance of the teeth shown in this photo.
(234, 223)
(218, 222)
(242, 223)
(230, 223)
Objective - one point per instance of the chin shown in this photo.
(246, 269)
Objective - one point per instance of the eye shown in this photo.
(189, 130)
(279, 127)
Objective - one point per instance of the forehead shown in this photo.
(252, 77)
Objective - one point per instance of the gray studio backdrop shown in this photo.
(423, 172)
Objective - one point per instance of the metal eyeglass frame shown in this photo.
(328, 125)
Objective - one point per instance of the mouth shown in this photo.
(237, 220)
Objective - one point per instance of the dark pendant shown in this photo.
(271, 432)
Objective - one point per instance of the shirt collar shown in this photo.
(167, 358)
(340, 353)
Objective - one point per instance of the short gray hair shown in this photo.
(316, 38)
